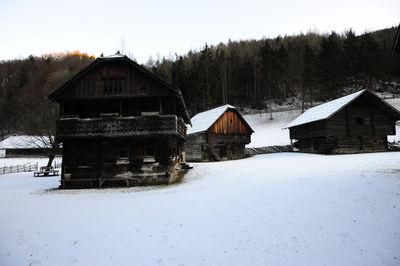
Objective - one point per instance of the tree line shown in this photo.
(24, 86)
(316, 67)
(253, 73)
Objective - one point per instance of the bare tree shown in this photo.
(49, 143)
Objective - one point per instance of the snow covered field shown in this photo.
(270, 132)
(275, 209)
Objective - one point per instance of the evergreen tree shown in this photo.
(371, 60)
(331, 67)
(310, 72)
(352, 55)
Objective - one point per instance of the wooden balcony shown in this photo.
(116, 126)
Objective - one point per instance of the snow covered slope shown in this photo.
(270, 132)
(275, 209)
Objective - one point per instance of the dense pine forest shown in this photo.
(254, 73)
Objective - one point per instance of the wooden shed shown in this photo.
(217, 134)
(25, 145)
(358, 122)
(119, 125)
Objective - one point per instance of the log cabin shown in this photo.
(356, 123)
(217, 134)
(119, 125)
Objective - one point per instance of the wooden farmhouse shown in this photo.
(359, 122)
(119, 125)
(217, 134)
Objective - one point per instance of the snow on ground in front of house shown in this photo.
(269, 132)
(42, 161)
(273, 209)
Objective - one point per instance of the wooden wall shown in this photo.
(361, 118)
(116, 159)
(195, 146)
(309, 130)
(229, 124)
(114, 79)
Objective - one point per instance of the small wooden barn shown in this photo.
(217, 134)
(24, 145)
(119, 125)
(359, 122)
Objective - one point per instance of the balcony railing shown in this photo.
(114, 126)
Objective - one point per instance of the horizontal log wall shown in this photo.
(309, 130)
(137, 160)
(131, 81)
(194, 146)
(361, 118)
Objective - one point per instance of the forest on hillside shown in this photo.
(314, 67)
(252, 73)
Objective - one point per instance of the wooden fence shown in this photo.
(27, 167)
(57, 165)
(269, 149)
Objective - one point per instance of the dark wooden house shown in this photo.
(119, 125)
(359, 122)
(217, 134)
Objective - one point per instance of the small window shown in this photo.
(124, 153)
(360, 121)
(231, 121)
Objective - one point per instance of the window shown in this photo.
(113, 86)
(149, 155)
(360, 121)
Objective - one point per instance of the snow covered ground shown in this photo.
(275, 209)
(42, 161)
(270, 132)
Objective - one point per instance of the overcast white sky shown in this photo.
(150, 27)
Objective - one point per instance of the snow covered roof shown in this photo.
(325, 110)
(204, 120)
(116, 55)
(21, 142)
